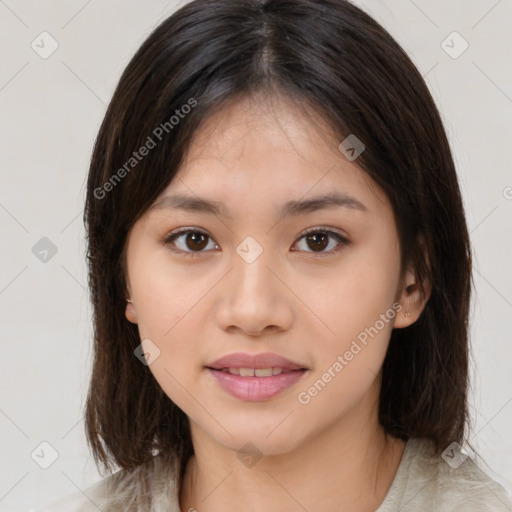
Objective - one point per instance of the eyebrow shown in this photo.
(293, 207)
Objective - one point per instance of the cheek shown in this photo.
(346, 368)
(167, 294)
(354, 296)
(168, 316)
(166, 303)
(360, 317)
(167, 320)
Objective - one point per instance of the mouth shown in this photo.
(255, 377)
(261, 361)
(255, 372)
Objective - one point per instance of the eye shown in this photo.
(318, 240)
(193, 241)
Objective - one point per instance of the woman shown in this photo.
(280, 273)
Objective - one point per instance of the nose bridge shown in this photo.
(251, 268)
(253, 298)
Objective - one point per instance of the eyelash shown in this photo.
(342, 241)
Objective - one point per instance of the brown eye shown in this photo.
(317, 240)
(196, 241)
(192, 242)
(189, 241)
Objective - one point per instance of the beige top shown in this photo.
(423, 483)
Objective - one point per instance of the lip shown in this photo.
(254, 389)
(262, 360)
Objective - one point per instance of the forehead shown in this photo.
(277, 123)
(271, 150)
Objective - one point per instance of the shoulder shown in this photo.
(425, 482)
(80, 501)
(150, 486)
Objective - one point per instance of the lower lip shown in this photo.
(254, 389)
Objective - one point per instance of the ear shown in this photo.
(130, 312)
(411, 298)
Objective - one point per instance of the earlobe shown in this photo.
(130, 313)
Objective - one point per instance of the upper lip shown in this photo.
(262, 360)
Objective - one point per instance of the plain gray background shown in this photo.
(51, 109)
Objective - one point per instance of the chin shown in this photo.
(266, 437)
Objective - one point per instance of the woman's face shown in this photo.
(248, 280)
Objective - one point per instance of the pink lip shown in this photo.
(254, 389)
(262, 360)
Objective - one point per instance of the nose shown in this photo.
(255, 299)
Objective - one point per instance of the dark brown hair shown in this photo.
(333, 57)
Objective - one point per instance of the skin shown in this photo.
(306, 304)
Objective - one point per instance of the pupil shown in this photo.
(196, 239)
(323, 238)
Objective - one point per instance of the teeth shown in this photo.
(263, 372)
(252, 372)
